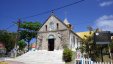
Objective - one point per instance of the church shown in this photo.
(56, 34)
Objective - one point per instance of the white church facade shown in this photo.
(56, 34)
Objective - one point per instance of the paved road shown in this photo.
(14, 62)
(10, 62)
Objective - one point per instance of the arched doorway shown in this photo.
(51, 43)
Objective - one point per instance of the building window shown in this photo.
(77, 42)
(74, 40)
(51, 36)
(57, 26)
(46, 27)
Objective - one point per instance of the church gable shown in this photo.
(52, 24)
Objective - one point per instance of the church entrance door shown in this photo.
(51, 44)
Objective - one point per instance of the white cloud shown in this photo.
(105, 22)
(107, 3)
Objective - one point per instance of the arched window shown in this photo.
(57, 26)
(46, 27)
(51, 36)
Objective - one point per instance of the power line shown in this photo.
(10, 26)
(48, 11)
(36, 15)
(53, 9)
(68, 5)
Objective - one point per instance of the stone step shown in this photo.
(37, 61)
(45, 62)
(42, 54)
(41, 57)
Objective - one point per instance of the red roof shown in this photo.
(2, 45)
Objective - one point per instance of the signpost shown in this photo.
(102, 38)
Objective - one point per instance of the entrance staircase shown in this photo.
(41, 57)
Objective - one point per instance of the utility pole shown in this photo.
(101, 53)
(17, 38)
(18, 25)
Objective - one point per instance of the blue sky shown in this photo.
(95, 13)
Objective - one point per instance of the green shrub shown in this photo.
(67, 55)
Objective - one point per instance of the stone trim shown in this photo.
(52, 31)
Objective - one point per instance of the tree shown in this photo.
(21, 44)
(8, 38)
(29, 30)
(88, 44)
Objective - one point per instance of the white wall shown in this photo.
(74, 43)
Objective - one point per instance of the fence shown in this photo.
(88, 61)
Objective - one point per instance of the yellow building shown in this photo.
(83, 34)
